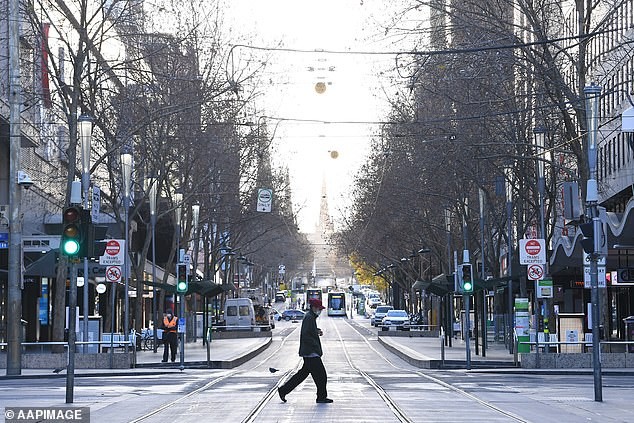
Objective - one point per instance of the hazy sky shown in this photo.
(354, 92)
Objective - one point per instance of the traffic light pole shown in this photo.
(72, 315)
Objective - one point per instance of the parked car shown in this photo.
(379, 314)
(397, 319)
(292, 314)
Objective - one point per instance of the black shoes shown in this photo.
(324, 401)
(282, 396)
(163, 361)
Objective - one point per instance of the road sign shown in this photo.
(544, 288)
(181, 325)
(113, 274)
(114, 253)
(282, 269)
(587, 282)
(96, 204)
(265, 199)
(535, 272)
(532, 251)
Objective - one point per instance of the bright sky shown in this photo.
(353, 93)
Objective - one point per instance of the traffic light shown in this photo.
(467, 279)
(96, 244)
(587, 229)
(75, 224)
(182, 284)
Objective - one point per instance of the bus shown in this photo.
(336, 304)
(313, 293)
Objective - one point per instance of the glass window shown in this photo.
(245, 310)
(232, 311)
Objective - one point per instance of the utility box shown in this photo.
(629, 332)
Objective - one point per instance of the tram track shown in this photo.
(254, 412)
(432, 379)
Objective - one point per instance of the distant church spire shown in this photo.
(324, 226)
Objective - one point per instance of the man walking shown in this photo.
(170, 339)
(310, 351)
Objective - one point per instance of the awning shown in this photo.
(45, 266)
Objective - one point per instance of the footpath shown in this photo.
(222, 354)
(427, 353)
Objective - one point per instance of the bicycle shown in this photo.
(147, 339)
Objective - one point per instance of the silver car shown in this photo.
(379, 314)
(397, 319)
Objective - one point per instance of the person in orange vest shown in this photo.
(170, 339)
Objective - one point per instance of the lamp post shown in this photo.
(178, 200)
(195, 218)
(239, 261)
(84, 126)
(483, 319)
(126, 171)
(450, 319)
(152, 194)
(540, 135)
(592, 93)
(508, 171)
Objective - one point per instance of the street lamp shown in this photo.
(592, 93)
(540, 134)
(195, 218)
(178, 200)
(152, 194)
(126, 171)
(84, 127)
(481, 197)
(508, 174)
(239, 261)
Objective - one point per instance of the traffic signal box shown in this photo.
(466, 285)
(587, 243)
(75, 227)
(182, 285)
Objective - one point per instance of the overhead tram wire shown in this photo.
(426, 52)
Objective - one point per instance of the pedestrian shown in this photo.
(310, 351)
(170, 339)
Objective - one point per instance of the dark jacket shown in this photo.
(309, 342)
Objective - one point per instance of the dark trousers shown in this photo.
(170, 339)
(312, 366)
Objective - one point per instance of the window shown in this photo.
(232, 311)
(245, 310)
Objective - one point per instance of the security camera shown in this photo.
(24, 180)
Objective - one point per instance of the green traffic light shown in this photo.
(468, 287)
(71, 247)
(182, 286)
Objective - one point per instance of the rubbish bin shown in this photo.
(629, 332)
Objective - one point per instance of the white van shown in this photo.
(239, 314)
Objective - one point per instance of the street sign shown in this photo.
(187, 259)
(265, 199)
(535, 272)
(544, 288)
(181, 325)
(587, 283)
(113, 274)
(96, 204)
(114, 253)
(282, 269)
(532, 251)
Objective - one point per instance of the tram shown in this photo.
(313, 293)
(336, 304)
